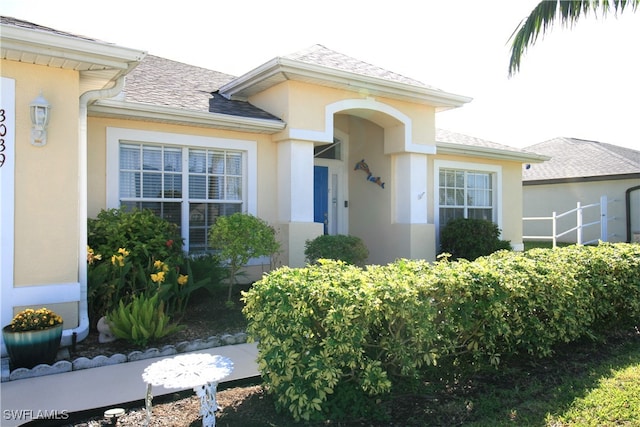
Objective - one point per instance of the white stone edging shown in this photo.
(98, 361)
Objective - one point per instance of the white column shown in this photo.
(410, 188)
(295, 181)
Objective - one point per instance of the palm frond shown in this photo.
(548, 12)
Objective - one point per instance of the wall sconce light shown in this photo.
(39, 109)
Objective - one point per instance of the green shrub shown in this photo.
(311, 332)
(240, 237)
(145, 235)
(471, 238)
(141, 321)
(332, 337)
(122, 249)
(350, 249)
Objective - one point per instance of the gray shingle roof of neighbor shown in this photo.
(579, 158)
(321, 55)
(443, 135)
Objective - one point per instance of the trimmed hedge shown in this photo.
(334, 328)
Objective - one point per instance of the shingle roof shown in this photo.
(220, 104)
(160, 81)
(320, 55)
(8, 20)
(579, 158)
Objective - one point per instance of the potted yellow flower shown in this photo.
(33, 337)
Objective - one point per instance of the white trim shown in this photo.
(117, 135)
(466, 166)
(160, 113)
(406, 143)
(7, 200)
(46, 294)
(455, 149)
(340, 169)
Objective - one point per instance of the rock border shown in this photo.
(81, 363)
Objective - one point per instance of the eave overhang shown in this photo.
(280, 70)
(112, 108)
(91, 58)
(488, 153)
(580, 179)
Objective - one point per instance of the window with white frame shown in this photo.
(465, 194)
(189, 182)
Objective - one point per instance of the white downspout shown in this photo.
(83, 322)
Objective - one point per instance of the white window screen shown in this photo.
(153, 177)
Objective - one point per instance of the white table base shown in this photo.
(202, 372)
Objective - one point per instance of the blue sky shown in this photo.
(578, 83)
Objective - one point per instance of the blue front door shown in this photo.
(321, 195)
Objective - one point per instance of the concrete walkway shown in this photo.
(56, 395)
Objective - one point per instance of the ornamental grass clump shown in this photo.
(142, 320)
(34, 320)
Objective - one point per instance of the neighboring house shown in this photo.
(281, 142)
(583, 171)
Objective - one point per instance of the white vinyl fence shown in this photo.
(579, 228)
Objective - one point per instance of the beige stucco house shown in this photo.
(583, 171)
(281, 142)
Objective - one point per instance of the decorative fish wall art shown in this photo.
(363, 166)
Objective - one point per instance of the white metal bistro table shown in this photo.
(202, 372)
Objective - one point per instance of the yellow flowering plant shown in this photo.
(173, 287)
(34, 320)
(111, 279)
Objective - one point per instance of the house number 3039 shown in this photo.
(3, 132)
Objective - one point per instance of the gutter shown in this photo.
(452, 148)
(70, 336)
(163, 114)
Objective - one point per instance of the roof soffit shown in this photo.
(279, 70)
(94, 58)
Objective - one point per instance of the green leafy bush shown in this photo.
(350, 249)
(471, 238)
(240, 237)
(141, 321)
(122, 249)
(312, 330)
(335, 336)
(146, 236)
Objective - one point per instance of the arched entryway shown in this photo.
(372, 202)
